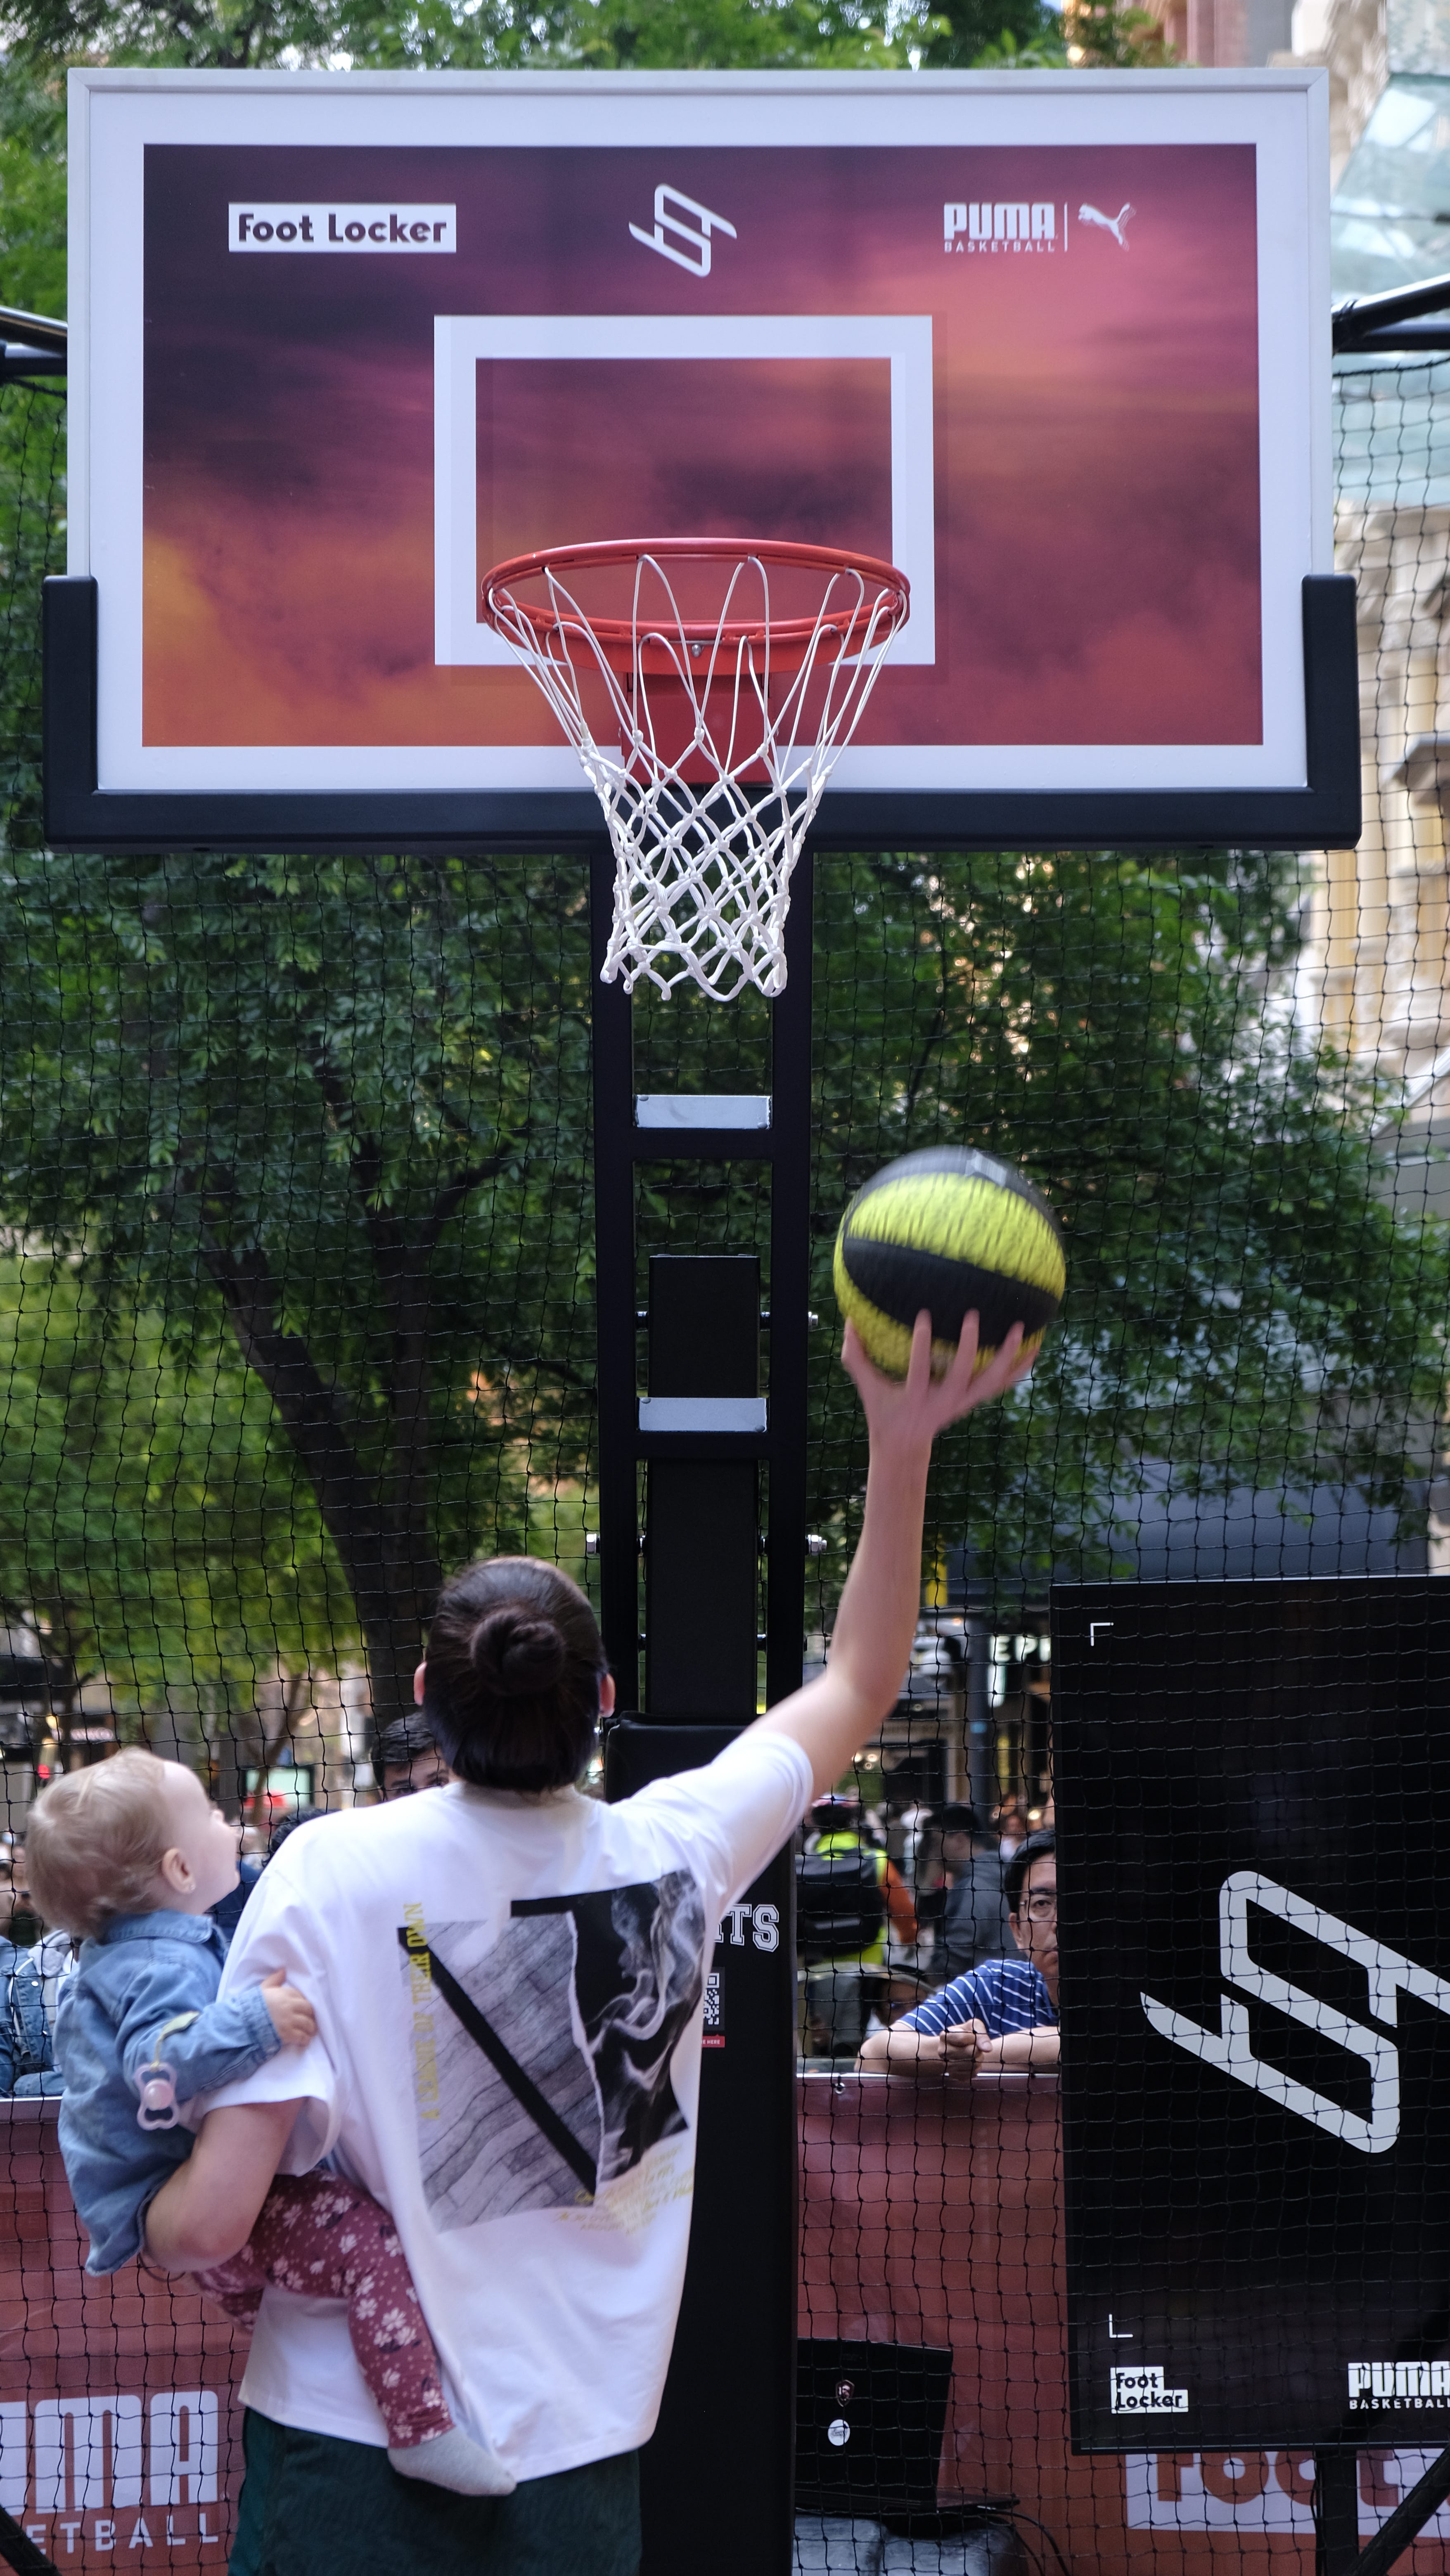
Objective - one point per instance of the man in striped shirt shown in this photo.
(1001, 2014)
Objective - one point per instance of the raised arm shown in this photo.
(876, 1622)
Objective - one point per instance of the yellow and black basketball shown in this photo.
(948, 1230)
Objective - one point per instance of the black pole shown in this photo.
(730, 2393)
(614, 1297)
(19, 2551)
(790, 1284)
(981, 1751)
(1336, 2513)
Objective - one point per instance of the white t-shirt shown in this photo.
(509, 2000)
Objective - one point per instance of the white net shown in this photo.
(727, 730)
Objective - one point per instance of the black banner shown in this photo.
(1253, 1796)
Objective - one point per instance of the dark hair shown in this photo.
(286, 1826)
(1036, 1847)
(402, 1742)
(511, 1680)
(956, 1818)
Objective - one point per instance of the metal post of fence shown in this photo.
(730, 2393)
(1336, 2512)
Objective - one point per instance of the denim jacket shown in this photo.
(130, 1982)
(27, 2066)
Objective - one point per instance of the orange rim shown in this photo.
(620, 636)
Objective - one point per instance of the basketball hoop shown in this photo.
(728, 704)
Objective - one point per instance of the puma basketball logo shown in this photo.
(1113, 224)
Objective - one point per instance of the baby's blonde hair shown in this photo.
(95, 1841)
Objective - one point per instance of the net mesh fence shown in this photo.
(296, 1313)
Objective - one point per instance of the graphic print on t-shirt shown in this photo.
(548, 2072)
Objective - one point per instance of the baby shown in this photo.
(128, 1856)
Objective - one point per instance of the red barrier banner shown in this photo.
(120, 2438)
(928, 2217)
(933, 2216)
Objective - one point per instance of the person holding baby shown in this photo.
(129, 1856)
(460, 2036)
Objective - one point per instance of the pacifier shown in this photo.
(158, 2096)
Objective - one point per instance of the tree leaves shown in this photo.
(152, 1527)
(344, 1104)
(1245, 1305)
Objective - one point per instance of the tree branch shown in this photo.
(382, 1529)
(401, 1255)
(382, 1576)
(452, 1195)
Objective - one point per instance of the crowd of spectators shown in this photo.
(34, 1961)
(928, 1947)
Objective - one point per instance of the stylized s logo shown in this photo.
(1230, 2048)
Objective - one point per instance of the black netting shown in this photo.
(297, 1312)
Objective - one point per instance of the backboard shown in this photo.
(1056, 345)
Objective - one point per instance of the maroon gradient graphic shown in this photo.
(798, 448)
(1096, 429)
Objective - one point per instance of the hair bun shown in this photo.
(515, 1654)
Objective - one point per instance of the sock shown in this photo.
(453, 2459)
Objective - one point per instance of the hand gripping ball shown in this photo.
(948, 1230)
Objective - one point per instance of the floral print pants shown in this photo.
(323, 2238)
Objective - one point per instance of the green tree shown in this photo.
(323, 1124)
(342, 1104)
(32, 189)
(32, 544)
(643, 35)
(153, 1529)
(628, 35)
(221, 35)
(1244, 1304)
(234, 35)
(340, 1108)
(971, 35)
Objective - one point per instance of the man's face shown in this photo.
(956, 1851)
(1034, 1925)
(426, 1771)
(19, 1921)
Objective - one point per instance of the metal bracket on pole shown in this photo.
(1403, 317)
(32, 346)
